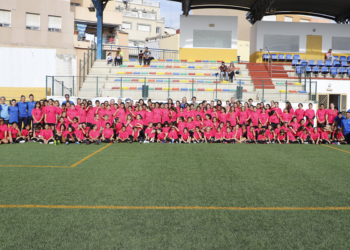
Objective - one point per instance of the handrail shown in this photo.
(269, 61)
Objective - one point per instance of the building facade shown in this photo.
(141, 19)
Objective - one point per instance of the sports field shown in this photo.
(172, 196)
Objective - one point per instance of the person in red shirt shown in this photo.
(36, 133)
(15, 135)
(150, 133)
(299, 113)
(304, 137)
(70, 136)
(314, 136)
(208, 135)
(274, 119)
(338, 137)
(262, 138)
(291, 136)
(3, 132)
(310, 114)
(197, 136)
(172, 136)
(26, 133)
(324, 136)
(332, 113)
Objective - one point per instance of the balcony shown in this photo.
(160, 19)
(147, 16)
(130, 13)
(142, 2)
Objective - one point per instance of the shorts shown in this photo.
(88, 124)
(51, 124)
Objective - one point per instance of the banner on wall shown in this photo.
(81, 28)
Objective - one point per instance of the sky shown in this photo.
(171, 11)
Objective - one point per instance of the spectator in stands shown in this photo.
(223, 70)
(118, 60)
(329, 55)
(194, 102)
(184, 101)
(23, 112)
(232, 101)
(345, 127)
(4, 110)
(146, 57)
(67, 99)
(231, 72)
(140, 57)
(109, 58)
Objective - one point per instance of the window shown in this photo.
(75, 4)
(126, 26)
(55, 23)
(288, 19)
(5, 18)
(32, 21)
(141, 27)
(304, 20)
(132, 44)
(281, 43)
(341, 43)
(212, 39)
(158, 30)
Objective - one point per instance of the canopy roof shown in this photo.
(337, 10)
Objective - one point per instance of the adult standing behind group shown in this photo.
(345, 126)
(4, 110)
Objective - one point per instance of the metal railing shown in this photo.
(210, 88)
(133, 52)
(86, 64)
(269, 60)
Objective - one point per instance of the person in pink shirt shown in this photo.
(299, 113)
(324, 136)
(94, 135)
(172, 136)
(274, 119)
(101, 110)
(97, 122)
(304, 137)
(251, 136)
(254, 117)
(173, 114)
(161, 136)
(338, 137)
(208, 135)
(198, 122)
(157, 115)
(71, 137)
(188, 113)
(295, 124)
(3, 132)
(270, 133)
(263, 118)
(321, 116)
(50, 117)
(286, 116)
(236, 134)
(37, 114)
(315, 136)
(290, 108)
(180, 114)
(277, 109)
(228, 136)
(75, 123)
(165, 114)
(46, 135)
(291, 136)
(80, 133)
(82, 113)
(107, 134)
(129, 124)
(36, 133)
(310, 114)
(121, 112)
(243, 116)
(197, 136)
(150, 133)
(281, 137)
(90, 114)
(59, 110)
(232, 116)
(185, 137)
(223, 115)
(332, 113)
(262, 138)
(148, 116)
(190, 126)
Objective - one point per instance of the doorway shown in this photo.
(335, 99)
(314, 47)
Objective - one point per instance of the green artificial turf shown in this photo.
(175, 175)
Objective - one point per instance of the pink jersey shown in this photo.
(338, 135)
(46, 134)
(161, 136)
(50, 112)
(165, 116)
(299, 113)
(286, 117)
(310, 114)
(291, 136)
(123, 135)
(118, 127)
(98, 124)
(71, 113)
(148, 131)
(173, 135)
(3, 129)
(181, 126)
(190, 125)
(79, 134)
(237, 134)
(264, 118)
(295, 125)
(218, 135)
(94, 133)
(314, 136)
(321, 114)
(303, 136)
(270, 134)
(197, 124)
(250, 135)
(25, 132)
(332, 113)
(82, 115)
(324, 135)
(121, 114)
(273, 119)
(254, 116)
(129, 127)
(59, 111)
(243, 116)
(90, 114)
(207, 135)
(208, 123)
(232, 118)
(157, 115)
(185, 136)
(223, 117)
(107, 133)
(262, 137)
(148, 117)
(196, 135)
(281, 137)
(173, 116)
(37, 114)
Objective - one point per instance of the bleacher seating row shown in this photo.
(288, 57)
(323, 70)
(177, 60)
(319, 63)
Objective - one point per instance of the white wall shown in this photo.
(25, 67)
(196, 22)
(326, 30)
(334, 86)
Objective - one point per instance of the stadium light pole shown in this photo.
(99, 6)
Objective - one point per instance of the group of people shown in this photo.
(143, 56)
(52, 122)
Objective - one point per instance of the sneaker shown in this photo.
(194, 142)
(54, 142)
(51, 143)
(306, 142)
(146, 142)
(58, 142)
(130, 141)
(77, 143)
(338, 143)
(140, 142)
(98, 142)
(39, 142)
(22, 141)
(87, 142)
(67, 143)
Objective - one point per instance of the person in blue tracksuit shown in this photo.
(31, 106)
(13, 112)
(23, 112)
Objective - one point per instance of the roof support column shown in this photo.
(258, 10)
(99, 6)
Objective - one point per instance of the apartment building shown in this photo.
(141, 19)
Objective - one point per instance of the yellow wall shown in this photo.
(243, 50)
(257, 56)
(15, 93)
(226, 55)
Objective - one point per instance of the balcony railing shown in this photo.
(160, 19)
(143, 2)
(147, 16)
(130, 13)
